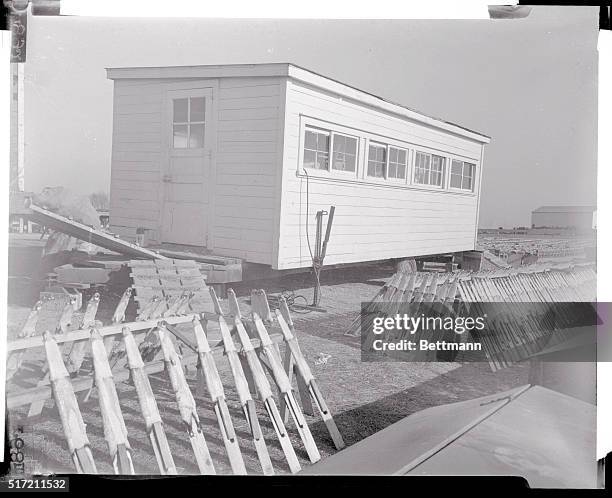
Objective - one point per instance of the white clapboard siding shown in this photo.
(248, 148)
(136, 157)
(372, 221)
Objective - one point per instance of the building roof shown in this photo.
(296, 72)
(565, 209)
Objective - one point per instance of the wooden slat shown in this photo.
(68, 408)
(265, 391)
(209, 371)
(186, 403)
(284, 385)
(115, 432)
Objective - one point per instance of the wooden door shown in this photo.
(186, 175)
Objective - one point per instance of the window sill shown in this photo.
(317, 175)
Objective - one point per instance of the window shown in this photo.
(397, 163)
(345, 153)
(316, 149)
(188, 123)
(377, 160)
(437, 170)
(429, 169)
(317, 144)
(462, 175)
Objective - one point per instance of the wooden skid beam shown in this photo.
(115, 432)
(185, 402)
(209, 371)
(309, 379)
(79, 348)
(68, 408)
(284, 385)
(265, 391)
(248, 405)
(148, 406)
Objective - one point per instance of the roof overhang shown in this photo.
(298, 74)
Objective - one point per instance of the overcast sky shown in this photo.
(530, 84)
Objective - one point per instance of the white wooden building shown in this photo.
(238, 158)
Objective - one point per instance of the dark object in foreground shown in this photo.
(530, 431)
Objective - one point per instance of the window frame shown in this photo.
(188, 123)
(445, 175)
(406, 178)
(304, 149)
(364, 138)
(331, 147)
(385, 164)
(330, 172)
(463, 164)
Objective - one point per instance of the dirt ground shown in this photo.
(363, 397)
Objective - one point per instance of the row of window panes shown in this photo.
(429, 169)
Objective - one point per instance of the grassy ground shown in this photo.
(364, 397)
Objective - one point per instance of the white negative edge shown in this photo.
(314, 9)
(5, 124)
(604, 235)
(359, 9)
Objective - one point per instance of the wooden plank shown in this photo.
(306, 374)
(202, 258)
(115, 432)
(148, 406)
(186, 403)
(208, 368)
(244, 394)
(78, 350)
(89, 234)
(68, 408)
(264, 389)
(14, 360)
(286, 389)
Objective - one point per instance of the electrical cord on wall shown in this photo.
(314, 263)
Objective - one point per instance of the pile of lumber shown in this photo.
(520, 301)
(171, 339)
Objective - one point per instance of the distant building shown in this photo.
(577, 217)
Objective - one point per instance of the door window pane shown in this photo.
(180, 110)
(179, 136)
(196, 136)
(197, 109)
